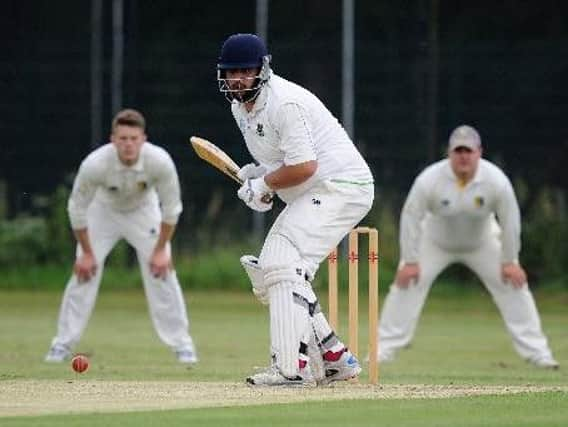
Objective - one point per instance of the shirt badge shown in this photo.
(445, 202)
(260, 129)
(479, 201)
(142, 185)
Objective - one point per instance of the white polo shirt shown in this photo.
(460, 218)
(289, 125)
(104, 178)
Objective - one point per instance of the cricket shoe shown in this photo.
(344, 368)
(545, 362)
(57, 354)
(187, 356)
(271, 376)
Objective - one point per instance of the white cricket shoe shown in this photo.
(271, 376)
(546, 362)
(57, 354)
(344, 368)
(187, 356)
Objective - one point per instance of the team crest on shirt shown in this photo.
(445, 202)
(260, 129)
(479, 201)
(142, 185)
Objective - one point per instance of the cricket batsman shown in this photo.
(304, 157)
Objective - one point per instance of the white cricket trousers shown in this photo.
(140, 228)
(402, 306)
(317, 221)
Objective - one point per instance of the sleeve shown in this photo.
(509, 217)
(295, 134)
(84, 188)
(413, 213)
(168, 189)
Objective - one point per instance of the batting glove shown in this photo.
(256, 194)
(251, 171)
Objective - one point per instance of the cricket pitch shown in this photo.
(43, 397)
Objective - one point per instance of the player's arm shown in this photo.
(413, 212)
(290, 176)
(86, 264)
(160, 261)
(169, 194)
(509, 216)
(300, 162)
(84, 189)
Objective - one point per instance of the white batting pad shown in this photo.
(281, 261)
(289, 325)
(256, 276)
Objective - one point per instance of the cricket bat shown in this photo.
(220, 160)
(215, 157)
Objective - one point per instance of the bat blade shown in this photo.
(216, 157)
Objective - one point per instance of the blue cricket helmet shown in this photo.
(242, 51)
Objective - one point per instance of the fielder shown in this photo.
(127, 189)
(450, 217)
(306, 158)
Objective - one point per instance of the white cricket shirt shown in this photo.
(290, 125)
(103, 177)
(460, 219)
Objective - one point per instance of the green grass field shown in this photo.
(461, 341)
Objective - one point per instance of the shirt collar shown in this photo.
(261, 99)
(479, 175)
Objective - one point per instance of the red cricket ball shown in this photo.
(80, 363)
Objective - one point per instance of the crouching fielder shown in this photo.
(306, 158)
(116, 195)
(450, 217)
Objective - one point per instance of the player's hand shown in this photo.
(256, 194)
(514, 274)
(407, 274)
(85, 267)
(160, 263)
(251, 171)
